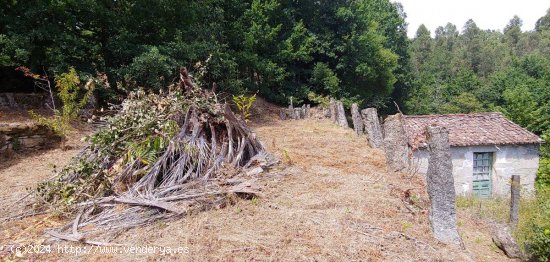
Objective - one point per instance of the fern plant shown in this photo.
(244, 103)
(147, 151)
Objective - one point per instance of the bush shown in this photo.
(533, 231)
(151, 70)
(323, 101)
(244, 103)
(74, 100)
(539, 243)
(543, 174)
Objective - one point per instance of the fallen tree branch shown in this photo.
(150, 170)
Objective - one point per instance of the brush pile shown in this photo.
(160, 156)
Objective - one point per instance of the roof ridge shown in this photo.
(458, 114)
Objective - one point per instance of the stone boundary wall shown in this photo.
(24, 100)
(25, 136)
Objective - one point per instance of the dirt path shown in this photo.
(331, 200)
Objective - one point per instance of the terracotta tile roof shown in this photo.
(490, 128)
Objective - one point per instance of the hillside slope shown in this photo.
(330, 199)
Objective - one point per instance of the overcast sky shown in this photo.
(488, 14)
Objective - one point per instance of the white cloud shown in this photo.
(488, 14)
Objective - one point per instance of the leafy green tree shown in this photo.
(520, 107)
(512, 32)
(464, 103)
(151, 68)
(73, 98)
(270, 46)
(422, 47)
(471, 41)
(324, 80)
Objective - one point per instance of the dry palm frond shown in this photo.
(161, 156)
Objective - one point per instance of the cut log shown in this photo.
(372, 127)
(357, 120)
(11, 100)
(440, 185)
(395, 144)
(341, 115)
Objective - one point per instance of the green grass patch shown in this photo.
(533, 230)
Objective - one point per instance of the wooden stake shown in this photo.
(515, 188)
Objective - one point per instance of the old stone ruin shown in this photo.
(295, 113)
(25, 136)
(23, 100)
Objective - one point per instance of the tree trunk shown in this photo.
(515, 188)
(341, 115)
(440, 185)
(357, 120)
(395, 144)
(372, 127)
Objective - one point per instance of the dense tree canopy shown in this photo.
(355, 50)
(484, 70)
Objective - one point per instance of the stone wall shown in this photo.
(508, 160)
(24, 100)
(24, 136)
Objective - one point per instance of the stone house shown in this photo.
(486, 150)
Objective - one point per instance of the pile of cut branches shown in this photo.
(160, 156)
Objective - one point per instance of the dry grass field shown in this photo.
(330, 199)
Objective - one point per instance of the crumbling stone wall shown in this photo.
(295, 113)
(23, 136)
(23, 100)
